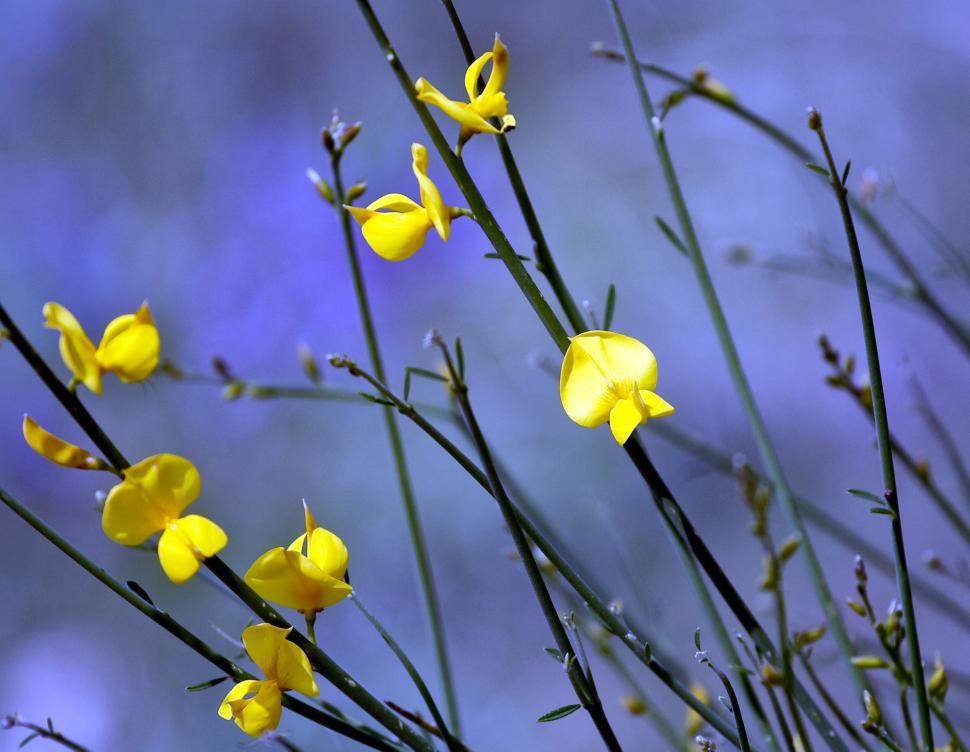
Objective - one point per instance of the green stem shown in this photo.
(583, 686)
(824, 521)
(958, 331)
(948, 725)
(881, 419)
(597, 605)
(850, 727)
(766, 448)
(418, 543)
(450, 742)
(787, 667)
(170, 625)
(545, 263)
(42, 732)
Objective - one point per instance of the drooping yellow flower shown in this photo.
(256, 704)
(129, 346)
(150, 499)
(473, 115)
(610, 377)
(308, 582)
(394, 226)
(57, 450)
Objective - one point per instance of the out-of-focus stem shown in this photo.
(415, 530)
(959, 331)
(881, 419)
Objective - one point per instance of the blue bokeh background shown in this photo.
(158, 151)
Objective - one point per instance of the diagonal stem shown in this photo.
(418, 542)
(733, 360)
(881, 418)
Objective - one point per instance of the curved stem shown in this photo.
(415, 529)
(881, 418)
(732, 358)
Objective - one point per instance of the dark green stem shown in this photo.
(42, 732)
(418, 543)
(583, 686)
(766, 447)
(881, 419)
(171, 626)
(450, 742)
(948, 725)
(545, 263)
(850, 727)
(958, 331)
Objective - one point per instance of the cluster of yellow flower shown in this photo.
(606, 377)
(151, 498)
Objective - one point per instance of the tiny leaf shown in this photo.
(610, 305)
(868, 496)
(376, 400)
(672, 236)
(206, 684)
(882, 510)
(554, 653)
(494, 255)
(460, 356)
(697, 638)
(140, 592)
(28, 739)
(845, 172)
(816, 168)
(555, 715)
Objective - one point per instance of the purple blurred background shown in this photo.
(158, 151)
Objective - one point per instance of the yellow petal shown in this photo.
(169, 481)
(459, 111)
(328, 552)
(397, 202)
(239, 690)
(76, 349)
(130, 346)
(438, 213)
(494, 105)
(473, 73)
(293, 671)
(500, 69)
(56, 449)
(395, 236)
(624, 418)
(292, 580)
(657, 406)
(186, 542)
(261, 713)
(129, 515)
(263, 642)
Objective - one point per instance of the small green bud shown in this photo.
(355, 191)
(349, 134)
(323, 188)
(232, 391)
(769, 573)
(308, 362)
(634, 705)
(770, 676)
(788, 547)
(856, 607)
(326, 137)
(873, 714)
(867, 662)
(814, 119)
(939, 683)
(808, 637)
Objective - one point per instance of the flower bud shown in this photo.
(939, 683)
(323, 188)
(814, 119)
(873, 714)
(308, 362)
(867, 662)
(788, 547)
(355, 192)
(634, 705)
(232, 391)
(808, 637)
(770, 676)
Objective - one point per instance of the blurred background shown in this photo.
(158, 151)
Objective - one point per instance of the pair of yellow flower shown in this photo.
(395, 226)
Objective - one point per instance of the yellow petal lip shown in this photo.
(77, 350)
(185, 543)
(438, 213)
(608, 376)
(56, 449)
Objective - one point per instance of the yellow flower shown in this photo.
(151, 499)
(397, 232)
(307, 582)
(129, 346)
(57, 450)
(610, 377)
(693, 722)
(473, 115)
(256, 705)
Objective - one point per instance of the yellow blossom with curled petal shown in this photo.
(57, 450)
(150, 499)
(256, 704)
(610, 377)
(394, 226)
(491, 102)
(129, 347)
(307, 576)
